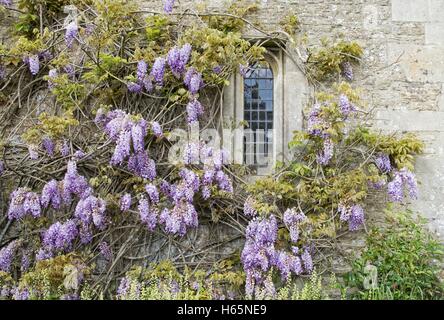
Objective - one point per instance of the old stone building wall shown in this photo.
(402, 72)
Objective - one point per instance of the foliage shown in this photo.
(329, 59)
(312, 289)
(92, 191)
(57, 278)
(164, 282)
(407, 258)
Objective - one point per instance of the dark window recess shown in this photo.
(258, 113)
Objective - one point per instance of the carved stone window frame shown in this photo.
(290, 95)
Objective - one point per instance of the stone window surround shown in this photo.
(289, 93)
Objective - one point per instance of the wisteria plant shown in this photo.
(90, 103)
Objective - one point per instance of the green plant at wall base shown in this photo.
(407, 258)
(53, 278)
(163, 281)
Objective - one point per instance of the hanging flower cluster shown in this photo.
(178, 58)
(33, 63)
(292, 219)
(71, 32)
(318, 126)
(172, 204)
(347, 70)
(383, 163)
(403, 179)
(24, 202)
(126, 132)
(7, 255)
(354, 215)
(59, 237)
(260, 255)
(168, 6)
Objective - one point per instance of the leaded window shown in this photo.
(258, 113)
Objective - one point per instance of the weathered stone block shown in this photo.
(434, 33)
(410, 10)
(419, 63)
(436, 10)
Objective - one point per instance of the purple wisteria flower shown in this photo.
(134, 87)
(356, 218)
(123, 148)
(347, 70)
(49, 146)
(193, 81)
(307, 260)
(6, 3)
(21, 294)
(324, 157)
(138, 133)
(249, 207)
(24, 202)
(345, 105)
(64, 150)
(74, 184)
(91, 210)
(31, 204)
(217, 69)
(243, 70)
(395, 188)
(105, 251)
(194, 111)
(140, 164)
(354, 215)
(124, 287)
(142, 70)
(157, 129)
(383, 163)
(158, 70)
(33, 63)
(70, 70)
(177, 59)
(152, 192)
(191, 153)
(51, 195)
(292, 218)
(183, 216)
(7, 254)
(71, 32)
(148, 215)
(168, 6)
(403, 177)
(259, 252)
(85, 233)
(125, 202)
(224, 182)
(60, 236)
(315, 124)
(52, 75)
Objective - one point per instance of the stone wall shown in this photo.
(402, 73)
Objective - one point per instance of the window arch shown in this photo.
(258, 91)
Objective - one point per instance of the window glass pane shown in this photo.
(258, 112)
(266, 94)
